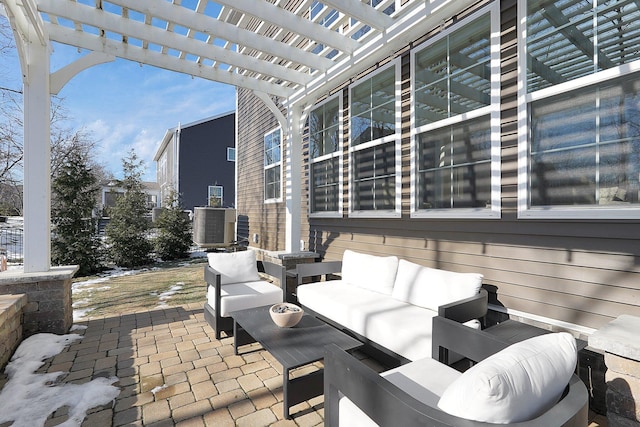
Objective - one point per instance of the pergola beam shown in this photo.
(145, 56)
(361, 12)
(290, 21)
(197, 22)
(111, 22)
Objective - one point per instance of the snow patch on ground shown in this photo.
(28, 398)
(165, 296)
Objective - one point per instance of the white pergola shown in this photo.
(288, 53)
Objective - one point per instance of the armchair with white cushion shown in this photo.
(530, 383)
(234, 283)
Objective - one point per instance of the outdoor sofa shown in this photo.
(389, 303)
(527, 384)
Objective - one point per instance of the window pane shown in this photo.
(374, 178)
(272, 182)
(323, 129)
(361, 129)
(373, 108)
(619, 31)
(561, 44)
(586, 146)
(361, 98)
(454, 166)
(453, 75)
(324, 177)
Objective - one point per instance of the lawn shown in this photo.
(120, 292)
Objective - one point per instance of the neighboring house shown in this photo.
(197, 160)
(110, 191)
(503, 140)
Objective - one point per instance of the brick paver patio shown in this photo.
(173, 372)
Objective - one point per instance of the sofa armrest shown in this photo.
(317, 269)
(274, 270)
(450, 335)
(467, 309)
(384, 402)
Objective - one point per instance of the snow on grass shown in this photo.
(28, 398)
(165, 296)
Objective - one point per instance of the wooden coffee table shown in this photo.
(292, 347)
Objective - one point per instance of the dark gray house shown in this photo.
(197, 160)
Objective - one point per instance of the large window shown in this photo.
(325, 154)
(375, 144)
(456, 121)
(580, 109)
(273, 166)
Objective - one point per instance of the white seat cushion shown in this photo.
(239, 296)
(517, 384)
(424, 379)
(400, 327)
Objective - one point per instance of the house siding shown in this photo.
(583, 272)
(255, 216)
(203, 161)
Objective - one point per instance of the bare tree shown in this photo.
(64, 139)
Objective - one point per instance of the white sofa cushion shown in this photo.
(371, 272)
(235, 267)
(517, 384)
(400, 327)
(430, 287)
(424, 379)
(239, 296)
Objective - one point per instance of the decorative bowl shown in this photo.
(285, 314)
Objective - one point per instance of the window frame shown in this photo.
(525, 99)
(395, 138)
(339, 154)
(271, 166)
(209, 195)
(231, 157)
(492, 110)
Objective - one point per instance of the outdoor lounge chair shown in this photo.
(411, 395)
(234, 283)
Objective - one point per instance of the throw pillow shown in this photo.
(235, 267)
(516, 384)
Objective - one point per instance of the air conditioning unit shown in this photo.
(213, 227)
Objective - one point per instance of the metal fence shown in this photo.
(11, 243)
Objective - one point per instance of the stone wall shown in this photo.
(11, 312)
(619, 340)
(48, 307)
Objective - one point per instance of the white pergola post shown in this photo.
(293, 183)
(37, 157)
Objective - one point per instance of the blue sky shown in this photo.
(125, 105)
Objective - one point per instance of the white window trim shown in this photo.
(213, 187)
(272, 165)
(524, 99)
(390, 213)
(339, 154)
(493, 110)
(229, 150)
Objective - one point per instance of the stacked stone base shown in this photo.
(11, 311)
(623, 383)
(49, 299)
(289, 261)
